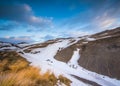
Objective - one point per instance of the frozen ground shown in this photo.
(45, 60)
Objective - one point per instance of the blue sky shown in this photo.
(41, 20)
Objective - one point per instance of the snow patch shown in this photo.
(90, 39)
(74, 59)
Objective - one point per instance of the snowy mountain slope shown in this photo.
(45, 60)
(7, 46)
(98, 54)
(11, 46)
(69, 56)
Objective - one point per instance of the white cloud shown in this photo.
(40, 21)
(17, 39)
(77, 33)
(7, 37)
(105, 21)
(27, 7)
(24, 14)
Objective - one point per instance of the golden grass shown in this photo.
(19, 64)
(25, 77)
(31, 77)
(16, 71)
(64, 80)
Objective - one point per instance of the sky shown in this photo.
(41, 20)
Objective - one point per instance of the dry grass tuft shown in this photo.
(16, 71)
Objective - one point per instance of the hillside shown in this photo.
(102, 55)
(88, 60)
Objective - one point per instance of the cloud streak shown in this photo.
(8, 25)
(23, 13)
(100, 16)
(17, 39)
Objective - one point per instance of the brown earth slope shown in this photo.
(102, 56)
(66, 54)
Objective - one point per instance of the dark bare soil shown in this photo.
(86, 81)
(102, 56)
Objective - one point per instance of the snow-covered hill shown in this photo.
(63, 55)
